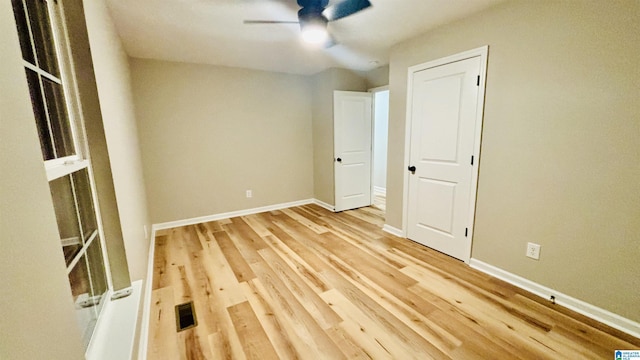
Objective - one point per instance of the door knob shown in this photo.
(339, 160)
(412, 169)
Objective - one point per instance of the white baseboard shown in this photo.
(393, 230)
(604, 316)
(227, 215)
(324, 205)
(380, 191)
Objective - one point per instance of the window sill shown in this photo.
(115, 332)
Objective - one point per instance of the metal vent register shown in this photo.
(185, 316)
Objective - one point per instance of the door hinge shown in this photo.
(471, 159)
(478, 81)
(466, 231)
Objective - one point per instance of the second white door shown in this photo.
(352, 149)
(444, 105)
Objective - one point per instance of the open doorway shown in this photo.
(379, 144)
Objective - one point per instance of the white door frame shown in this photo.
(483, 53)
(373, 92)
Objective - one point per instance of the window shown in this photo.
(49, 75)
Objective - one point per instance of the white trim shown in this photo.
(393, 230)
(146, 306)
(115, 330)
(38, 70)
(377, 190)
(324, 205)
(483, 53)
(83, 251)
(604, 316)
(227, 215)
(57, 168)
(70, 241)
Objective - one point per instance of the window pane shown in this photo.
(41, 118)
(81, 290)
(23, 31)
(88, 221)
(42, 36)
(65, 207)
(97, 271)
(88, 287)
(59, 119)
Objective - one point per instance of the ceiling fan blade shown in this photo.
(253, 22)
(331, 42)
(345, 8)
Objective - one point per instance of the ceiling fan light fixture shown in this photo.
(313, 26)
(315, 34)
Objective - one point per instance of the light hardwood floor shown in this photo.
(380, 202)
(305, 283)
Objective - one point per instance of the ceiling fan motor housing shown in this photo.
(311, 15)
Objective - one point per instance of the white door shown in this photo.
(352, 149)
(444, 105)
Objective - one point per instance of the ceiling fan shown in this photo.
(314, 15)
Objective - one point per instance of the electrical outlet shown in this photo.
(249, 193)
(533, 251)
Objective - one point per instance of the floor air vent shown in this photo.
(185, 316)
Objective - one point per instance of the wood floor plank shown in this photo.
(216, 291)
(254, 340)
(221, 348)
(523, 338)
(219, 276)
(306, 283)
(297, 245)
(297, 264)
(245, 240)
(163, 340)
(311, 301)
(365, 333)
(383, 318)
(272, 324)
(240, 268)
(347, 345)
(363, 242)
(306, 328)
(193, 346)
(417, 320)
(160, 263)
(313, 226)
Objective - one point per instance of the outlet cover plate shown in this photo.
(533, 251)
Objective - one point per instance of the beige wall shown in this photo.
(559, 162)
(377, 77)
(114, 90)
(209, 133)
(37, 319)
(324, 83)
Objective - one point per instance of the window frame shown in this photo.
(70, 165)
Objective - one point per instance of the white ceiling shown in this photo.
(212, 32)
